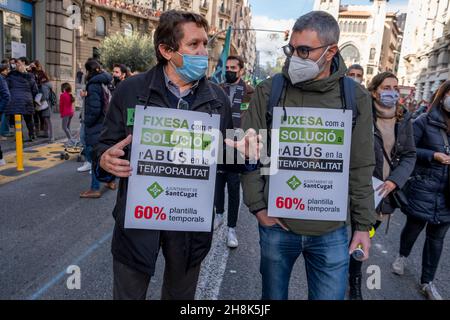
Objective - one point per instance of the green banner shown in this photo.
(174, 138)
(130, 116)
(312, 135)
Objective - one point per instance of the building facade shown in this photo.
(361, 40)
(17, 38)
(424, 61)
(63, 34)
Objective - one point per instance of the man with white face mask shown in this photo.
(356, 72)
(313, 72)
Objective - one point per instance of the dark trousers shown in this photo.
(434, 243)
(231, 179)
(355, 266)
(28, 121)
(180, 281)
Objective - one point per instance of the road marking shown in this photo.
(47, 152)
(215, 263)
(63, 273)
(213, 267)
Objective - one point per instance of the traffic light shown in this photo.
(286, 35)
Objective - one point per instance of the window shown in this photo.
(220, 24)
(128, 30)
(16, 33)
(100, 27)
(154, 4)
(369, 70)
(350, 54)
(372, 54)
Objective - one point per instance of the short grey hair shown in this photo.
(321, 22)
(355, 67)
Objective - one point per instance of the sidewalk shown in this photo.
(10, 144)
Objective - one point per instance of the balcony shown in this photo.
(204, 6)
(187, 4)
(225, 12)
(127, 8)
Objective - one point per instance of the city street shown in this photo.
(45, 227)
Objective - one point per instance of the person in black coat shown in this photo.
(4, 99)
(94, 115)
(428, 191)
(167, 85)
(395, 155)
(23, 89)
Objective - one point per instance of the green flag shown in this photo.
(219, 74)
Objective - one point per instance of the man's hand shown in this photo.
(110, 160)
(267, 221)
(250, 146)
(442, 158)
(386, 188)
(361, 238)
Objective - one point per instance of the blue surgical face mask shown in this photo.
(389, 98)
(194, 67)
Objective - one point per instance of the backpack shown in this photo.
(347, 88)
(106, 98)
(52, 99)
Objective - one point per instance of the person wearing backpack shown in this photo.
(96, 104)
(395, 156)
(43, 107)
(313, 76)
(428, 192)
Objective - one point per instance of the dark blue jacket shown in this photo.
(428, 188)
(23, 89)
(4, 94)
(93, 107)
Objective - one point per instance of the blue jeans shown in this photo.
(95, 184)
(4, 124)
(326, 262)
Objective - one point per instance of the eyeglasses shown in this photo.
(302, 51)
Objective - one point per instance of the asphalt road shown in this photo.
(45, 227)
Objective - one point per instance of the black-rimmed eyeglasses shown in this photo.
(302, 51)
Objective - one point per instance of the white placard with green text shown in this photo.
(174, 159)
(310, 163)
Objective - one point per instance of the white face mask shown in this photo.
(301, 70)
(446, 104)
(357, 80)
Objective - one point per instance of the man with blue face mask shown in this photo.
(177, 81)
(312, 76)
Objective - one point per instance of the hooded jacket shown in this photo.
(23, 89)
(323, 93)
(428, 188)
(93, 107)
